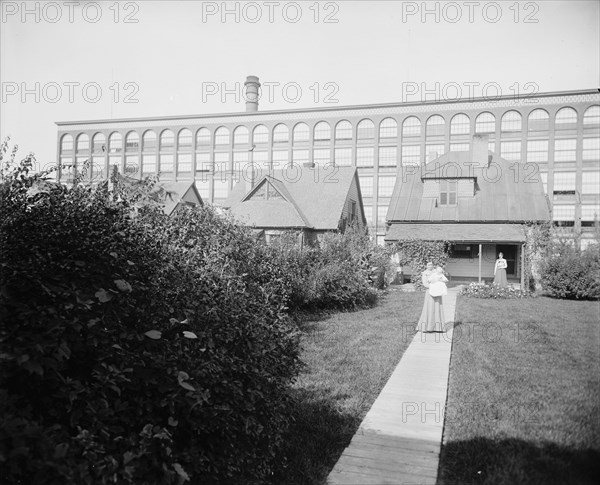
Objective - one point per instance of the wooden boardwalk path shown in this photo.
(398, 442)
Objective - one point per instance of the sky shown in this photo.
(81, 60)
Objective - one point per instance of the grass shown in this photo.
(349, 357)
(524, 394)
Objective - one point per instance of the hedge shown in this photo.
(136, 348)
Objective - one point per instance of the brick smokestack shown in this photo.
(252, 94)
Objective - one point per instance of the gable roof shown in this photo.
(312, 198)
(179, 192)
(504, 192)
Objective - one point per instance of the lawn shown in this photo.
(524, 393)
(349, 358)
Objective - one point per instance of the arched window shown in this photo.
(132, 142)
(281, 134)
(511, 121)
(203, 137)
(565, 116)
(222, 136)
(411, 127)
(149, 141)
(343, 130)
(322, 131)
(434, 126)
(460, 124)
(98, 143)
(538, 120)
(184, 140)
(83, 143)
(591, 117)
(115, 142)
(167, 140)
(301, 133)
(241, 136)
(388, 128)
(485, 123)
(66, 143)
(365, 130)
(260, 135)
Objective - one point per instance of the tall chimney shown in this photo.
(479, 151)
(252, 86)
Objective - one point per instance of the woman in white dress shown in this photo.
(500, 271)
(432, 316)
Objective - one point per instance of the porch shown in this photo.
(475, 248)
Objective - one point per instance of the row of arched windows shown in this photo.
(460, 124)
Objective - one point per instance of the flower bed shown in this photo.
(481, 290)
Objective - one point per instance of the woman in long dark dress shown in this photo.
(500, 271)
(432, 315)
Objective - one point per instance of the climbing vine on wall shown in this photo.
(417, 252)
(538, 237)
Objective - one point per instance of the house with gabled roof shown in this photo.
(474, 199)
(305, 199)
(178, 194)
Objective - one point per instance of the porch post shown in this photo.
(480, 250)
(522, 266)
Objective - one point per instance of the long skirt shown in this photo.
(500, 277)
(432, 316)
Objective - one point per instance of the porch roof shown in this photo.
(482, 233)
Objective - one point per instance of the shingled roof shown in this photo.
(312, 198)
(505, 192)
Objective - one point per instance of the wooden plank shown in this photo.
(370, 466)
(397, 475)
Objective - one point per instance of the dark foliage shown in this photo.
(136, 348)
(569, 273)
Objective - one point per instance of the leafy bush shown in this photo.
(136, 348)
(481, 290)
(338, 274)
(570, 273)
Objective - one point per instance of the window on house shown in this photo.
(464, 251)
(448, 192)
(352, 211)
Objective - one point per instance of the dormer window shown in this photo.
(448, 192)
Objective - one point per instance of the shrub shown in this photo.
(570, 273)
(136, 348)
(337, 274)
(481, 290)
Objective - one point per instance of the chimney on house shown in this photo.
(479, 151)
(251, 94)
